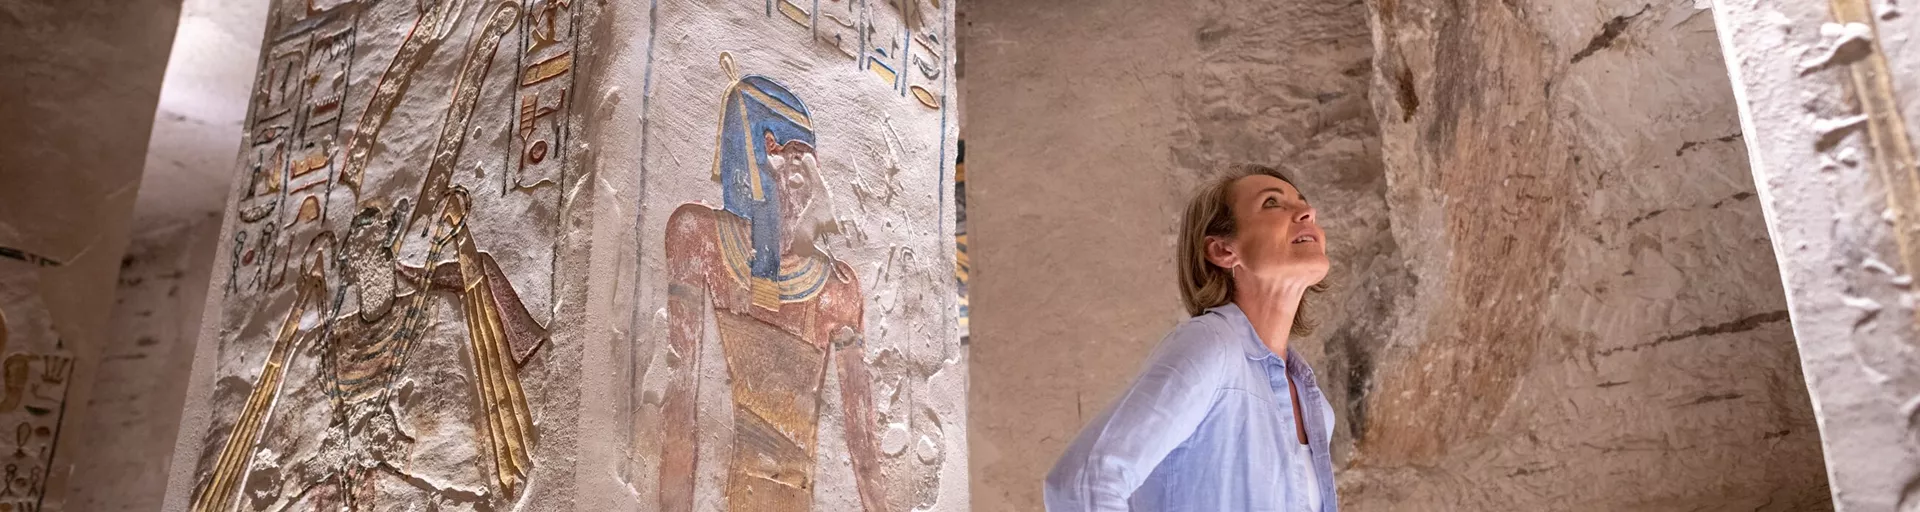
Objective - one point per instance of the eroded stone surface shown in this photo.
(1552, 283)
(1827, 92)
(1596, 324)
(144, 369)
(1082, 157)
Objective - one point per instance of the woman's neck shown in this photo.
(1271, 310)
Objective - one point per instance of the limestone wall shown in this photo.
(145, 364)
(1552, 283)
(388, 315)
(1826, 92)
(794, 337)
(556, 255)
(1087, 127)
(79, 88)
(1596, 322)
(144, 369)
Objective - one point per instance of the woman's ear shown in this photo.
(1221, 253)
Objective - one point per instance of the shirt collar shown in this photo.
(1250, 340)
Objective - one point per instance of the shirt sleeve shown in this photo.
(1160, 410)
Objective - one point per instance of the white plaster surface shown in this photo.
(1834, 225)
(435, 449)
(885, 165)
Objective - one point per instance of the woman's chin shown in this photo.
(1317, 268)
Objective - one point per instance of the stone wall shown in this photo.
(1826, 93)
(162, 289)
(144, 369)
(1551, 285)
(567, 255)
(795, 345)
(389, 311)
(1596, 322)
(1087, 128)
(79, 88)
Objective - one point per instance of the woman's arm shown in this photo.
(1119, 448)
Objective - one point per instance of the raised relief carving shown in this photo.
(366, 306)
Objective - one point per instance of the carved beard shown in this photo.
(806, 210)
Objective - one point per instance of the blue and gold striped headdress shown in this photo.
(757, 106)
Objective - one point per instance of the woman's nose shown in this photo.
(1306, 214)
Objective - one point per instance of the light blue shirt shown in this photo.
(1203, 428)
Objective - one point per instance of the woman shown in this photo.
(1224, 416)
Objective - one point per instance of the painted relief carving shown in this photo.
(373, 350)
(33, 377)
(962, 266)
(539, 133)
(835, 27)
(889, 39)
(782, 310)
(791, 360)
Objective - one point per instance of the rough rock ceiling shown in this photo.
(1598, 320)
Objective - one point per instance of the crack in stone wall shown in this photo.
(1604, 323)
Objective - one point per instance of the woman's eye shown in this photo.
(1272, 203)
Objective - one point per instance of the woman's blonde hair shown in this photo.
(1204, 285)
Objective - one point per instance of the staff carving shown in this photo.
(365, 350)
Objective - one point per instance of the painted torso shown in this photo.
(777, 363)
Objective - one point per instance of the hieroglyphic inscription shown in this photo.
(884, 28)
(836, 26)
(546, 79)
(34, 375)
(289, 168)
(893, 40)
(365, 275)
(466, 94)
(30, 417)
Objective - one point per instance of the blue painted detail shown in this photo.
(756, 106)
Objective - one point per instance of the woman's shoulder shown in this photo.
(1205, 339)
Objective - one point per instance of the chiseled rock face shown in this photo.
(1083, 156)
(1552, 286)
(1285, 84)
(1596, 320)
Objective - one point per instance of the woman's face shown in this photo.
(1277, 233)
